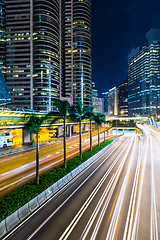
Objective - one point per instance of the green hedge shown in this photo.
(20, 196)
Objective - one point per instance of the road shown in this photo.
(18, 168)
(118, 197)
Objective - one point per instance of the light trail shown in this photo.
(137, 210)
(103, 202)
(131, 210)
(73, 223)
(154, 222)
(36, 231)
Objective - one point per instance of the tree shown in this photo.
(78, 113)
(63, 112)
(98, 118)
(90, 115)
(33, 123)
(104, 121)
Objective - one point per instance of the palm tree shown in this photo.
(33, 123)
(104, 121)
(78, 113)
(63, 112)
(90, 115)
(98, 118)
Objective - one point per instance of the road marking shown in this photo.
(103, 203)
(137, 210)
(75, 220)
(154, 222)
(116, 214)
(34, 233)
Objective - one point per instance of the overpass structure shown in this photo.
(112, 118)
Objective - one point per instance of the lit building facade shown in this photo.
(76, 50)
(98, 104)
(47, 51)
(3, 36)
(46, 54)
(144, 77)
(5, 97)
(113, 102)
(105, 97)
(94, 90)
(18, 63)
(123, 99)
(32, 53)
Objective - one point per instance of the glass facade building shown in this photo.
(113, 102)
(144, 77)
(18, 62)
(123, 98)
(3, 36)
(76, 50)
(5, 96)
(46, 47)
(47, 51)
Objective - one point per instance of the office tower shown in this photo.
(94, 90)
(113, 102)
(32, 53)
(123, 98)
(2, 35)
(98, 104)
(144, 77)
(5, 96)
(105, 97)
(76, 50)
(18, 62)
(48, 52)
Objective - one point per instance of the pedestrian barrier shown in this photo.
(17, 217)
(23, 212)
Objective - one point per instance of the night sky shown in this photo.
(117, 27)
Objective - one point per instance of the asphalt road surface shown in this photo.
(18, 168)
(118, 197)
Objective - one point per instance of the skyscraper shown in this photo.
(76, 50)
(113, 102)
(3, 35)
(5, 96)
(144, 77)
(48, 51)
(46, 54)
(32, 55)
(123, 98)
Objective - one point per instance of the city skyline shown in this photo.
(46, 53)
(118, 27)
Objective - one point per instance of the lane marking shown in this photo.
(32, 235)
(104, 203)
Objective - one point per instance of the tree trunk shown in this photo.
(37, 160)
(98, 136)
(80, 138)
(104, 132)
(90, 135)
(64, 142)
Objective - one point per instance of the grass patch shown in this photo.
(20, 196)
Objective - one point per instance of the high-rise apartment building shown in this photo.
(48, 51)
(144, 77)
